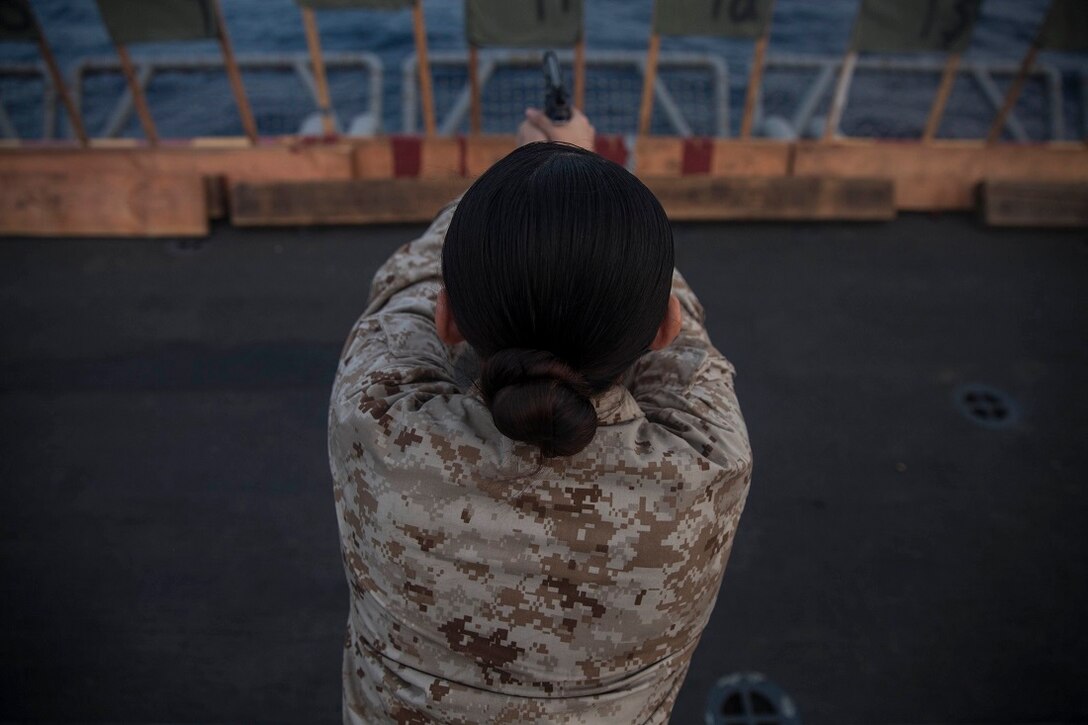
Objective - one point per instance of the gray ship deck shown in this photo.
(168, 543)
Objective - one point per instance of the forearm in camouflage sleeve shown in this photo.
(417, 261)
(687, 387)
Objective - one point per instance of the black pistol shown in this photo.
(556, 98)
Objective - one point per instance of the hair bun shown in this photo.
(537, 398)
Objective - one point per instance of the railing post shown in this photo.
(321, 83)
(58, 82)
(944, 90)
(580, 74)
(755, 78)
(474, 89)
(1013, 95)
(649, 78)
(234, 75)
(838, 101)
(138, 98)
(423, 68)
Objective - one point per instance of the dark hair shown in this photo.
(558, 266)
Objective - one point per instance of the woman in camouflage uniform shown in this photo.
(538, 456)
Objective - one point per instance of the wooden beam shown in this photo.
(112, 204)
(372, 158)
(793, 198)
(944, 90)
(235, 76)
(441, 157)
(838, 101)
(755, 78)
(1033, 203)
(649, 79)
(942, 175)
(216, 192)
(924, 178)
(266, 162)
(482, 152)
(474, 90)
(138, 98)
(658, 155)
(1013, 95)
(663, 156)
(751, 158)
(317, 60)
(58, 81)
(580, 74)
(361, 201)
(687, 198)
(423, 68)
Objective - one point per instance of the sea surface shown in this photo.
(187, 104)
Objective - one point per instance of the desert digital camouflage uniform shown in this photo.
(486, 587)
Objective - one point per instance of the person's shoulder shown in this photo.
(681, 444)
(398, 396)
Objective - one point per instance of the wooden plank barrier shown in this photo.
(359, 201)
(785, 198)
(438, 157)
(669, 156)
(279, 161)
(692, 198)
(214, 167)
(941, 175)
(811, 177)
(75, 203)
(1033, 203)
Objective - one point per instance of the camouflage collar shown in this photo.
(615, 405)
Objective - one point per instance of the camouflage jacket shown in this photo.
(486, 587)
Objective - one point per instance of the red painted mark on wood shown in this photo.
(612, 148)
(407, 155)
(698, 154)
(462, 150)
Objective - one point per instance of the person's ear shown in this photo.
(444, 322)
(670, 326)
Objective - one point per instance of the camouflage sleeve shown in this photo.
(394, 348)
(420, 260)
(687, 388)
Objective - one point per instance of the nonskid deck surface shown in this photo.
(169, 542)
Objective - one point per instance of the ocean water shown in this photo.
(189, 104)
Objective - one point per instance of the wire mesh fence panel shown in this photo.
(893, 101)
(172, 96)
(99, 93)
(693, 89)
(1076, 113)
(279, 99)
(1032, 108)
(191, 97)
(781, 93)
(612, 99)
(23, 97)
(507, 93)
(873, 112)
(613, 94)
(968, 113)
(350, 91)
(185, 104)
(449, 82)
(503, 98)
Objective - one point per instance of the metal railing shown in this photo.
(795, 124)
(633, 63)
(147, 68)
(38, 72)
(799, 122)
